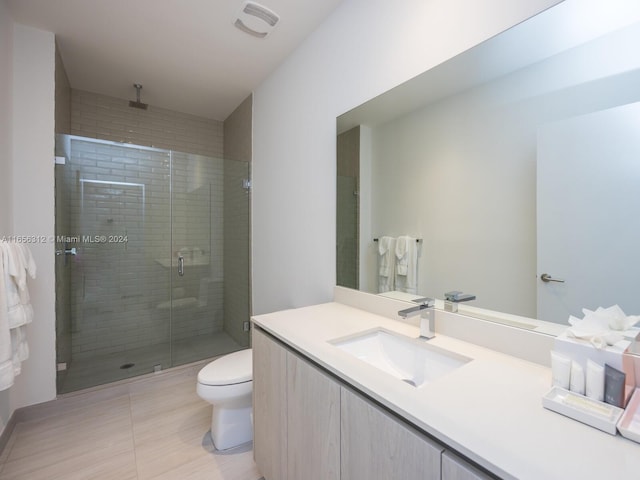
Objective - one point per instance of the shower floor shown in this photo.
(104, 369)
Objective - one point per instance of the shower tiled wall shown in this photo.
(236, 248)
(135, 313)
(237, 154)
(109, 118)
(347, 230)
(62, 97)
(198, 227)
(124, 273)
(121, 299)
(117, 284)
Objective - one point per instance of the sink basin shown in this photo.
(411, 360)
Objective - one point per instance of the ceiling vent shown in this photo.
(256, 20)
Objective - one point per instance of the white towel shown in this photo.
(19, 348)
(406, 265)
(386, 263)
(28, 264)
(6, 351)
(17, 266)
(16, 263)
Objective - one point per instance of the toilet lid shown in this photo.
(232, 368)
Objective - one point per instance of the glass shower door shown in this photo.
(153, 264)
(203, 325)
(113, 235)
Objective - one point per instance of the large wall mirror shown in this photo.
(515, 159)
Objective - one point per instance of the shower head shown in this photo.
(138, 103)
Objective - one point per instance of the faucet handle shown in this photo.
(451, 300)
(456, 296)
(426, 301)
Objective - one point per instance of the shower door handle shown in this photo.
(181, 266)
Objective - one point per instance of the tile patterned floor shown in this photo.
(154, 427)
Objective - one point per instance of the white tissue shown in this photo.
(614, 316)
(602, 327)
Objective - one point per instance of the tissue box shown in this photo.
(581, 350)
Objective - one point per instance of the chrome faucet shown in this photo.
(451, 300)
(426, 311)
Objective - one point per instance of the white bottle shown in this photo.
(560, 370)
(576, 383)
(595, 381)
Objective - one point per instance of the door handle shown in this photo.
(181, 266)
(67, 251)
(545, 277)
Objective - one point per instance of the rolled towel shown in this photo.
(402, 247)
(386, 264)
(406, 253)
(385, 248)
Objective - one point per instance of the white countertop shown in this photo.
(489, 410)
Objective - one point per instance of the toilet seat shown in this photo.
(230, 369)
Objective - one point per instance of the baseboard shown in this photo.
(8, 430)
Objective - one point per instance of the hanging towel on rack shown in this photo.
(406, 253)
(16, 312)
(6, 352)
(19, 263)
(386, 263)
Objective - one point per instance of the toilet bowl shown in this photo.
(227, 384)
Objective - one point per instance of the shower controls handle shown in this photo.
(181, 266)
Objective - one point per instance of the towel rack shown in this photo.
(418, 240)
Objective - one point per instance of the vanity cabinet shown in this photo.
(456, 468)
(310, 425)
(296, 415)
(313, 419)
(378, 446)
(269, 406)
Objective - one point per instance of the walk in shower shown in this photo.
(152, 259)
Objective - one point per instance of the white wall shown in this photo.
(6, 79)
(6, 82)
(33, 203)
(363, 49)
(26, 159)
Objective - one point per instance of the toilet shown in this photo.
(227, 384)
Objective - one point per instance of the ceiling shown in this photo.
(187, 54)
